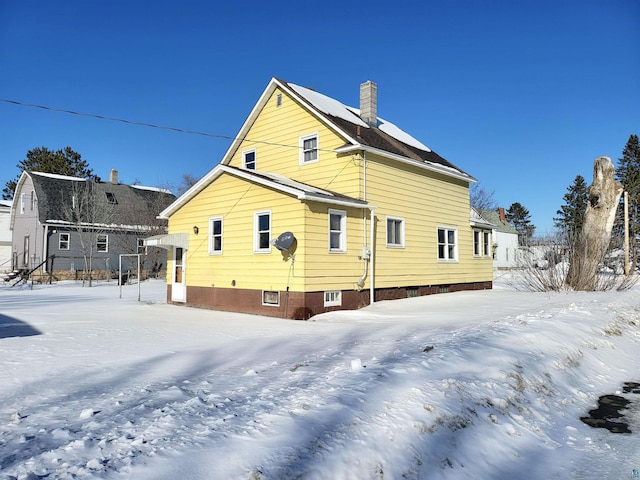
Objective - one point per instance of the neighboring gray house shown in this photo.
(64, 224)
(505, 240)
(5, 236)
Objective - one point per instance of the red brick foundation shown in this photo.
(302, 306)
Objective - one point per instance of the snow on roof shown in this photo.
(60, 177)
(6, 203)
(336, 109)
(329, 105)
(153, 189)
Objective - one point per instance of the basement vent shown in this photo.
(443, 289)
(412, 292)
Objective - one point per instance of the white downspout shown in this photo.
(371, 258)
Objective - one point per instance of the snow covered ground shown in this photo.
(482, 385)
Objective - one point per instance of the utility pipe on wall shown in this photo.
(372, 257)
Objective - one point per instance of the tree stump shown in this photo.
(592, 243)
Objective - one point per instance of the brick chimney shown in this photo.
(369, 103)
(113, 176)
(502, 217)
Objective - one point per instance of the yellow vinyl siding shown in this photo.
(332, 270)
(428, 200)
(280, 128)
(236, 201)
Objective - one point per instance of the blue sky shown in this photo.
(523, 95)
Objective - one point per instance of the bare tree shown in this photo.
(145, 222)
(91, 216)
(481, 199)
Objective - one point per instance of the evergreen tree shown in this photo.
(41, 159)
(628, 173)
(520, 218)
(571, 214)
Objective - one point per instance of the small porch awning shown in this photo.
(168, 241)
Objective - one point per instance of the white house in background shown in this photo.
(505, 240)
(5, 236)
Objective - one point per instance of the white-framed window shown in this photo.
(102, 242)
(215, 236)
(477, 243)
(308, 148)
(395, 232)
(447, 244)
(337, 231)
(23, 202)
(63, 241)
(262, 232)
(332, 298)
(141, 248)
(249, 159)
(271, 298)
(481, 243)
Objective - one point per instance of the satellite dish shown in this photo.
(284, 242)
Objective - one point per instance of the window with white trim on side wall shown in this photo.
(249, 159)
(395, 232)
(308, 148)
(447, 244)
(337, 231)
(215, 236)
(63, 241)
(262, 232)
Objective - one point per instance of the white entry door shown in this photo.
(179, 287)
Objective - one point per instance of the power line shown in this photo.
(144, 124)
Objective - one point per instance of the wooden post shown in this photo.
(626, 234)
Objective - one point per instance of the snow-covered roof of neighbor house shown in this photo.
(54, 195)
(478, 220)
(6, 203)
(494, 217)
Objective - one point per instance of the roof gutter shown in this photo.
(450, 172)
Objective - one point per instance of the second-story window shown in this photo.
(249, 159)
(309, 148)
(23, 202)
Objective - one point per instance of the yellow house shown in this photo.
(319, 206)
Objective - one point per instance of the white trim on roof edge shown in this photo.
(299, 193)
(449, 171)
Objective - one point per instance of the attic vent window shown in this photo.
(111, 198)
(279, 100)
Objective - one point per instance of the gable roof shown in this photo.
(478, 220)
(494, 217)
(385, 139)
(55, 192)
(301, 191)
